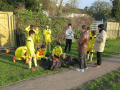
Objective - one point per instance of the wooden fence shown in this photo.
(7, 30)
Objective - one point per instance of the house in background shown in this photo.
(77, 13)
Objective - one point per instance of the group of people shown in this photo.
(29, 51)
(88, 43)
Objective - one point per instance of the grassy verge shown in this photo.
(13, 72)
(109, 82)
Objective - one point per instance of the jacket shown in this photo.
(69, 34)
(27, 29)
(83, 42)
(100, 41)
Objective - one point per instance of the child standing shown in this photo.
(31, 50)
(90, 45)
(57, 52)
(69, 35)
(47, 34)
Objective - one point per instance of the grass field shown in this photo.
(109, 82)
(11, 72)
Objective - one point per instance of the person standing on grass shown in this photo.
(82, 48)
(90, 46)
(69, 35)
(47, 35)
(31, 50)
(100, 44)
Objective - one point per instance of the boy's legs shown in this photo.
(87, 55)
(91, 56)
(49, 47)
(29, 62)
(55, 56)
(63, 54)
(67, 41)
(46, 46)
(26, 60)
(70, 42)
(35, 60)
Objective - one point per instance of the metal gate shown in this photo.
(7, 29)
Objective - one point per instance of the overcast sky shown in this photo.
(84, 3)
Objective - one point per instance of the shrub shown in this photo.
(26, 18)
(58, 25)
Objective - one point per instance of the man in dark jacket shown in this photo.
(82, 48)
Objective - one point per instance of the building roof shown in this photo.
(99, 17)
(81, 11)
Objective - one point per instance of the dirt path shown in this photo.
(67, 79)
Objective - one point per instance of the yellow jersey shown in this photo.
(28, 29)
(20, 52)
(57, 51)
(47, 34)
(30, 47)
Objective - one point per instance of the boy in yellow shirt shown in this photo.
(21, 53)
(31, 50)
(40, 53)
(47, 34)
(90, 45)
(31, 27)
(57, 52)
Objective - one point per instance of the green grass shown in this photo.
(11, 72)
(109, 82)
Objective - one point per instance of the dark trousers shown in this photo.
(99, 58)
(68, 42)
(82, 61)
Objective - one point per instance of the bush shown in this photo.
(6, 7)
(26, 18)
(58, 25)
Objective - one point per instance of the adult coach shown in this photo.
(100, 44)
(82, 48)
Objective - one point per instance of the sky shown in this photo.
(84, 3)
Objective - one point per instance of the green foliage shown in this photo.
(14, 4)
(57, 24)
(104, 83)
(116, 9)
(77, 33)
(27, 18)
(6, 7)
(100, 7)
